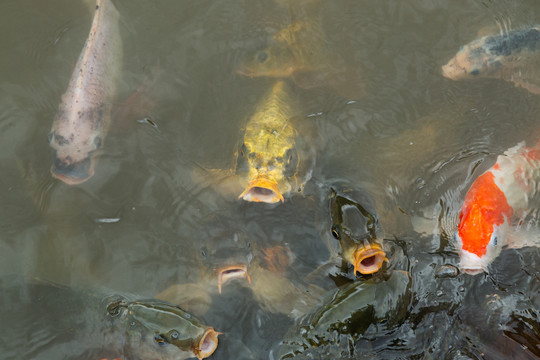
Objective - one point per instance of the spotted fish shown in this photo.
(270, 164)
(84, 115)
(513, 56)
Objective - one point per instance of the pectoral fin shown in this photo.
(530, 87)
(523, 237)
(224, 181)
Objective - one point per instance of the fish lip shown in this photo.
(208, 344)
(472, 270)
(230, 272)
(369, 259)
(74, 173)
(471, 263)
(262, 189)
(245, 72)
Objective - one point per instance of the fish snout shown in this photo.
(208, 344)
(369, 259)
(72, 173)
(472, 264)
(230, 272)
(262, 189)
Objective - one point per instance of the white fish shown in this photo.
(84, 115)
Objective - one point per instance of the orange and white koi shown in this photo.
(509, 189)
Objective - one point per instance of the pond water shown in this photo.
(387, 124)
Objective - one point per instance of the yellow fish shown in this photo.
(268, 160)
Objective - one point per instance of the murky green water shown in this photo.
(393, 127)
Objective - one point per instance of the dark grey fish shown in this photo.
(47, 321)
(348, 313)
(357, 229)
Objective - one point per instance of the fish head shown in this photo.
(357, 231)
(73, 153)
(483, 225)
(480, 238)
(228, 254)
(158, 330)
(472, 61)
(272, 164)
(276, 60)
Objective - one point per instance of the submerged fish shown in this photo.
(358, 232)
(513, 56)
(508, 190)
(86, 324)
(270, 161)
(229, 254)
(84, 115)
(347, 315)
(299, 51)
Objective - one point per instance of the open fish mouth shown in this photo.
(472, 270)
(72, 173)
(262, 189)
(230, 272)
(208, 344)
(369, 259)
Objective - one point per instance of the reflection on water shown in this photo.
(387, 123)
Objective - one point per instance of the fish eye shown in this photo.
(291, 162)
(160, 339)
(262, 56)
(243, 150)
(335, 232)
(97, 142)
(494, 239)
(174, 335)
(50, 137)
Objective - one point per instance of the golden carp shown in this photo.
(269, 160)
(84, 115)
(512, 56)
(509, 189)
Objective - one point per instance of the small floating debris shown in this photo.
(148, 121)
(107, 220)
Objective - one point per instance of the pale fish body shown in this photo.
(84, 115)
(512, 56)
(268, 160)
(507, 191)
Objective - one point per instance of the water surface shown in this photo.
(412, 139)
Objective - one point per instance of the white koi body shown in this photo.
(84, 115)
